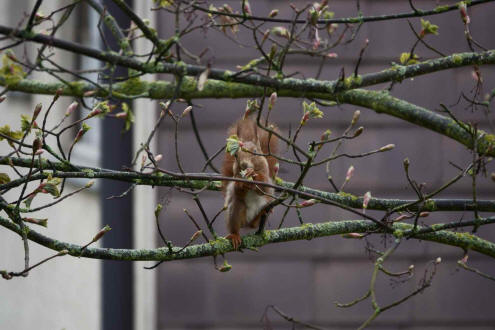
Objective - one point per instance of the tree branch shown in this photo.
(305, 232)
(211, 181)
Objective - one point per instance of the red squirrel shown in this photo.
(245, 202)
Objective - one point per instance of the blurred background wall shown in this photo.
(65, 293)
(306, 278)
(303, 279)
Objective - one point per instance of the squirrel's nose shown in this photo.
(244, 165)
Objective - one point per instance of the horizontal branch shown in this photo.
(379, 101)
(383, 102)
(305, 232)
(348, 20)
(232, 85)
(396, 73)
(210, 182)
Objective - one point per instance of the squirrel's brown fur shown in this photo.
(245, 201)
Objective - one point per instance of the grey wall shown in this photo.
(305, 278)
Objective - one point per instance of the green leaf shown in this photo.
(405, 58)
(163, 3)
(225, 267)
(429, 28)
(25, 123)
(16, 135)
(313, 110)
(252, 64)
(29, 200)
(232, 144)
(129, 119)
(4, 178)
(11, 71)
(158, 209)
(51, 189)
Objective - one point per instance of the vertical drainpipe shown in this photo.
(116, 151)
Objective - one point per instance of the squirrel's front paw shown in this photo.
(235, 239)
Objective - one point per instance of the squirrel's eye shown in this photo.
(255, 150)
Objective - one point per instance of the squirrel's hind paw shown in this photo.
(235, 239)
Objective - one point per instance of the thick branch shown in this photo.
(305, 232)
(396, 73)
(381, 102)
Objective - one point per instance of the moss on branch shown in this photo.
(305, 232)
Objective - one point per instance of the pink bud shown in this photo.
(186, 111)
(37, 110)
(121, 115)
(464, 14)
(89, 93)
(476, 76)
(94, 112)
(39, 152)
(276, 167)
(316, 40)
(100, 234)
(273, 13)
(272, 100)
(247, 8)
(353, 235)
(401, 217)
(158, 158)
(308, 202)
(332, 55)
(71, 108)
(349, 174)
(366, 200)
(305, 118)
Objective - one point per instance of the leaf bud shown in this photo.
(355, 117)
(349, 174)
(272, 100)
(37, 144)
(273, 13)
(366, 199)
(388, 147)
(186, 111)
(71, 108)
(353, 235)
(101, 233)
(358, 131)
(37, 110)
